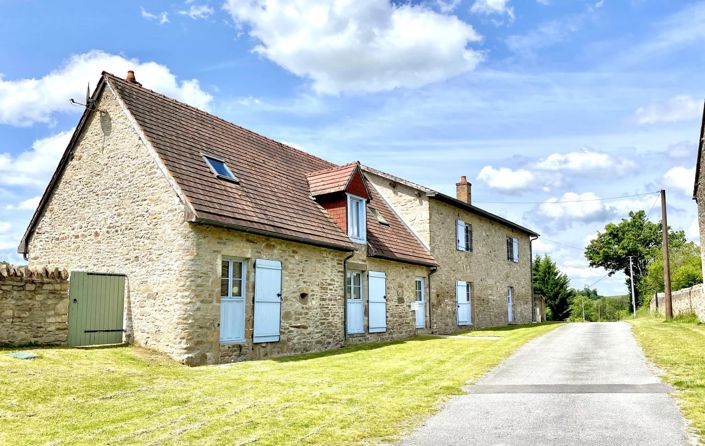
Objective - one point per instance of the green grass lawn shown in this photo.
(371, 394)
(679, 349)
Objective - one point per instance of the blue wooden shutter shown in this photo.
(268, 292)
(515, 250)
(460, 234)
(377, 300)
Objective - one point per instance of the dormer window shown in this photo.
(220, 169)
(357, 219)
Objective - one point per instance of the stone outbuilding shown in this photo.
(201, 239)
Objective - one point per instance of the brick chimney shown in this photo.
(463, 190)
(131, 78)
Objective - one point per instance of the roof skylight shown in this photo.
(220, 169)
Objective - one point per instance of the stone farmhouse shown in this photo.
(193, 236)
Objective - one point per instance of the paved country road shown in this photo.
(581, 384)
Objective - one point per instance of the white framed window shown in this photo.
(420, 289)
(232, 278)
(353, 289)
(463, 236)
(357, 219)
(513, 249)
(232, 300)
(355, 309)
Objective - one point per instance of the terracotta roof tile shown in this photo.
(331, 180)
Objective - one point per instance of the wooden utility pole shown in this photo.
(666, 265)
(631, 282)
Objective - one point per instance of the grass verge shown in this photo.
(679, 349)
(370, 394)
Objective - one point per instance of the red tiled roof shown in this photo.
(331, 180)
(273, 195)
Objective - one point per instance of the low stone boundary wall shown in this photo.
(34, 305)
(687, 300)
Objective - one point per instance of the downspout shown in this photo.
(430, 307)
(345, 296)
(531, 276)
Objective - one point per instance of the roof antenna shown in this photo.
(89, 102)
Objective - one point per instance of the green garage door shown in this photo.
(96, 307)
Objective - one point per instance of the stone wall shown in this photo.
(33, 306)
(401, 296)
(686, 301)
(99, 219)
(310, 324)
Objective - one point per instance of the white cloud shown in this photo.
(34, 166)
(24, 102)
(574, 206)
(29, 204)
(360, 46)
(487, 7)
(583, 161)
(506, 179)
(675, 109)
(8, 239)
(161, 17)
(541, 246)
(446, 6)
(681, 179)
(198, 12)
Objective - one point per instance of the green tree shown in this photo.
(553, 285)
(637, 237)
(686, 269)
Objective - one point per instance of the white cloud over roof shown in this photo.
(360, 46)
(24, 102)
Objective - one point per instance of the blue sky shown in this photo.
(537, 102)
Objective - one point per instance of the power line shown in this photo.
(567, 201)
(597, 281)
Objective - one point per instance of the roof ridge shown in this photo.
(112, 77)
(332, 169)
(401, 180)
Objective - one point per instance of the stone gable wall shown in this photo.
(33, 306)
(686, 301)
(113, 211)
(412, 206)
